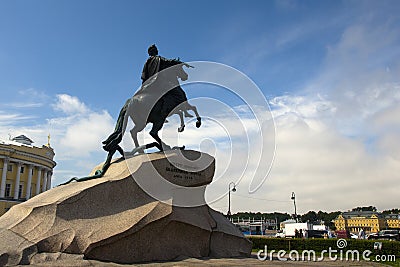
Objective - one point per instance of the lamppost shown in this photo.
(229, 197)
(294, 203)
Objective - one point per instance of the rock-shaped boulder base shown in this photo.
(114, 219)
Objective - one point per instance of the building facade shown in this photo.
(369, 221)
(25, 170)
(393, 221)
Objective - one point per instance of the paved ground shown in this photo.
(253, 261)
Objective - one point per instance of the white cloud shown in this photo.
(337, 141)
(385, 127)
(340, 151)
(76, 135)
(33, 94)
(386, 119)
(26, 99)
(19, 105)
(326, 169)
(87, 132)
(361, 72)
(390, 144)
(70, 105)
(6, 118)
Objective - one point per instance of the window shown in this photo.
(10, 167)
(32, 171)
(8, 190)
(21, 187)
(22, 169)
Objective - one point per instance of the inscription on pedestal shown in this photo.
(174, 168)
(181, 171)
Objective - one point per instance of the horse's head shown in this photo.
(181, 73)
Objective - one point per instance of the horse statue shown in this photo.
(171, 100)
(159, 97)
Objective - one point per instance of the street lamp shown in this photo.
(294, 203)
(229, 197)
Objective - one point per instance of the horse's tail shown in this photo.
(111, 143)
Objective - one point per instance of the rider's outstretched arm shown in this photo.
(176, 61)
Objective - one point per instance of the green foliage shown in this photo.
(395, 211)
(388, 247)
(369, 208)
(310, 216)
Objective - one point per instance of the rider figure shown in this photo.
(155, 64)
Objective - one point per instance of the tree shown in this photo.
(395, 211)
(369, 208)
(310, 216)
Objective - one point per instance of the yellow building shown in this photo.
(340, 222)
(25, 170)
(393, 221)
(354, 221)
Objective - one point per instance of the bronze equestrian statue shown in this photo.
(160, 96)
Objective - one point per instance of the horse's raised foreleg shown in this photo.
(180, 113)
(187, 114)
(194, 109)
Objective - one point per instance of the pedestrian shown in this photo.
(361, 234)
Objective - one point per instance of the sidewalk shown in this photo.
(252, 261)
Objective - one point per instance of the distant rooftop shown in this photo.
(23, 140)
(18, 141)
(365, 213)
(392, 216)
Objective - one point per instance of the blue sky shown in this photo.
(329, 69)
(97, 48)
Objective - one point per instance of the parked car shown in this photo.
(345, 234)
(319, 234)
(386, 234)
(353, 236)
(280, 234)
(342, 233)
(369, 236)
